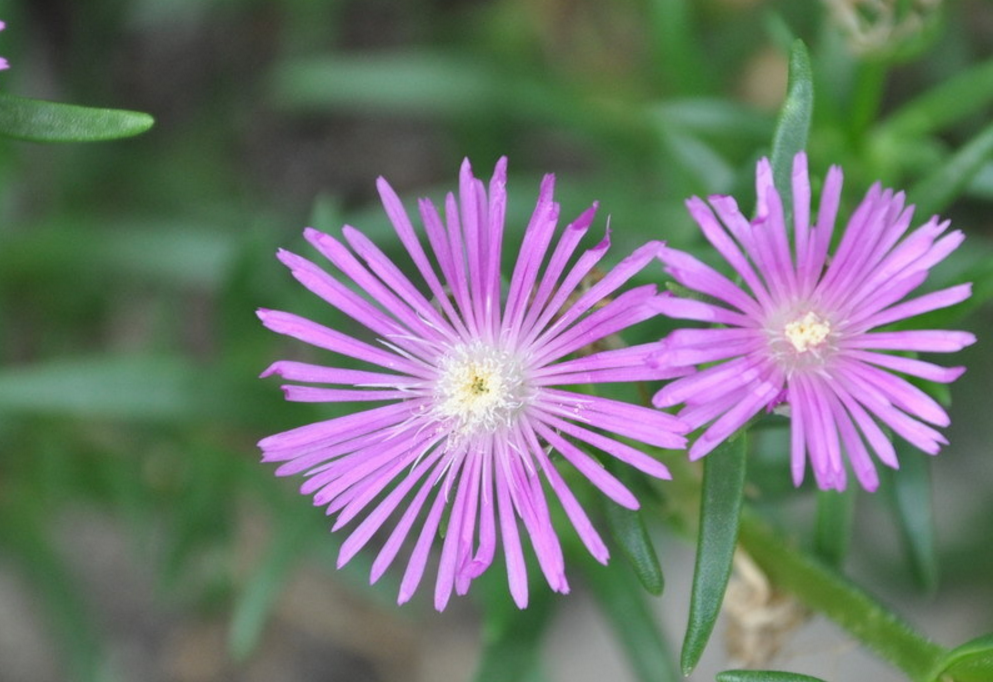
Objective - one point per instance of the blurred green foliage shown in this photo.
(129, 271)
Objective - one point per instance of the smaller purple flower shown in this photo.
(809, 331)
(3, 61)
(470, 374)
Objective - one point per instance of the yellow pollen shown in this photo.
(478, 389)
(808, 332)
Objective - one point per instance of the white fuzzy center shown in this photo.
(479, 389)
(808, 332)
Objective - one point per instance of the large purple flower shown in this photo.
(469, 375)
(801, 329)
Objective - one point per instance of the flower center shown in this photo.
(808, 332)
(479, 389)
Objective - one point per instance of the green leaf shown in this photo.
(39, 121)
(627, 526)
(949, 102)
(111, 386)
(764, 676)
(134, 387)
(634, 625)
(835, 512)
(825, 590)
(409, 82)
(971, 662)
(794, 122)
(936, 191)
(720, 507)
(909, 491)
(512, 636)
(24, 539)
(254, 604)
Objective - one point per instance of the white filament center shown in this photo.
(479, 389)
(808, 332)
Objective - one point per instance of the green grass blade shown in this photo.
(720, 507)
(629, 612)
(512, 637)
(825, 590)
(39, 121)
(835, 513)
(935, 192)
(793, 124)
(627, 526)
(254, 604)
(913, 510)
(23, 539)
(764, 676)
(945, 104)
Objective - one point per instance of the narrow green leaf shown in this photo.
(971, 662)
(911, 502)
(141, 387)
(629, 612)
(945, 104)
(512, 637)
(824, 590)
(835, 512)
(936, 191)
(627, 526)
(715, 117)
(254, 604)
(412, 82)
(24, 539)
(794, 122)
(764, 676)
(720, 508)
(39, 121)
(111, 386)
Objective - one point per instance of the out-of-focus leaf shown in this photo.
(704, 170)
(793, 124)
(936, 191)
(166, 252)
(716, 117)
(835, 511)
(512, 637)
(23, 539)
(627, 526)
(410, 82)
(39, 121)
(909, 491)
(141, 387)
(630, 614)
(947, 103)
(825, 590)
(254, 603)
(136, 387)
(971, 662)
(720, 508)
(764, 676)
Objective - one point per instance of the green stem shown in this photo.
(826, 591)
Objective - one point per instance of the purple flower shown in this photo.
(3, 62)
(802, 329)
(469, 375)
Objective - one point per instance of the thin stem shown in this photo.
(828, 592)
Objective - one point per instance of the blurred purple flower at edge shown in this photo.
(802, 333)
(4, 64)
(470, 380)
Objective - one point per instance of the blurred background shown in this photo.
(139, 537)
